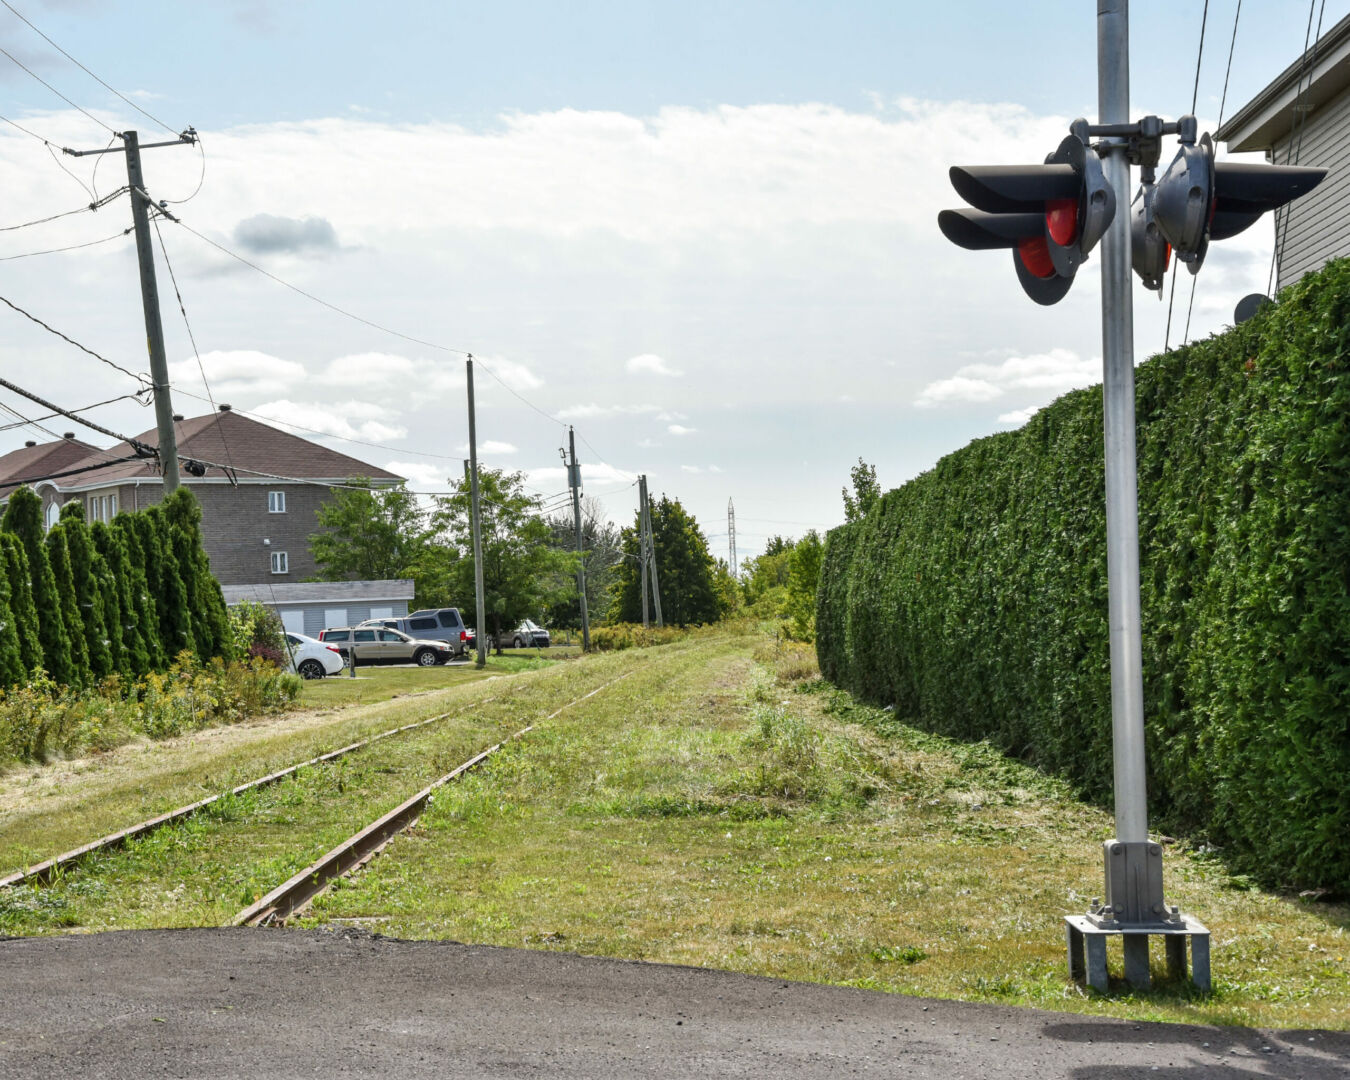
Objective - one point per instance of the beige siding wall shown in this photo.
(1316, 227)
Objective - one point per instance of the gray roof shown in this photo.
(316, 592)
(1269, 116)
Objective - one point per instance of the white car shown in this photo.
(312, 659)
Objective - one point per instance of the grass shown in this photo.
(52, 808)
(722, 807)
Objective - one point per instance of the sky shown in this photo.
(703, 234)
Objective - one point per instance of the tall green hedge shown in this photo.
(973, 598)
(84, 602)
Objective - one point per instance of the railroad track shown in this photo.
(42, 873)
(356, 851)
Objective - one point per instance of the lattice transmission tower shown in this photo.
(731, 534)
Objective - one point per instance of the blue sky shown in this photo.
(702, 232)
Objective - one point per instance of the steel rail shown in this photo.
(43, 872)
(353, 853)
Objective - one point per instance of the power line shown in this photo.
(25, 422)
(54, 90)
(215, 411)
(142, 379)
(72, 415)
(79, 65)
(1296, 134)
(69, 247)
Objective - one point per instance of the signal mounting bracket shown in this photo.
(1143, 139)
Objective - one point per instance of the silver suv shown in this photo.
(432, 624)
(380, 645)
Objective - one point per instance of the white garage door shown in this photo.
(293, 620)
(334, 617)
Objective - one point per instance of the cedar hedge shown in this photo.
(973, 598)
(79, 604)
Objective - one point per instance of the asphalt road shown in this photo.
(260, 1003)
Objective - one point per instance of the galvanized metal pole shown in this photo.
(1122, 499)
(574, 481)
(642, 544)
(154, 329)
(476, 521)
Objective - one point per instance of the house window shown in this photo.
(112, 507)
(276, 502)
(280, 565)
(92, 507)
(53, 514)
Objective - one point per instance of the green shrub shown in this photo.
(619, 636)
(42, 718)
(973, 598)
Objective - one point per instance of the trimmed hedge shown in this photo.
(973, 598)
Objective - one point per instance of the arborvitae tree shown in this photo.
(89, 594)
(685, 570)
(142, 592)
(12, 669)
(23, 518)
(58, 553)
(20, 584)
(121, 597)
(210, 620)
(171, 601)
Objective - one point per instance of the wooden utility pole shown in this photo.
(651, 553)
(476, 521)
(642, 544)
(574, 482)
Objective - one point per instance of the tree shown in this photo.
(368, 534)
(685, 570)
(866, 491)
(602, 547)
(766, 577)
(120, 609)
(210, 620)
(165, 578)
(23, 518)
(12, 669)
(803, 579)
(58, 554)
(88, 593)
(142, 592)
(516, 554)
(20, 582)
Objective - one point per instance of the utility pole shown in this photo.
(731, 533)
(476, 520)
(642, 544)
(651, 551)
(154, 328)
(574, 482)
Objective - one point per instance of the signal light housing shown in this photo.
(1050, 215)
(1198, 199)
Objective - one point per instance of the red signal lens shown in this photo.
(1035, 255)
(1061, 221)
(1167, 257)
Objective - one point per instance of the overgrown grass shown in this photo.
(721, 810)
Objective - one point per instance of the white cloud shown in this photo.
(648, 444)
(395, 377)
(587, 412)
(513, 373)
(650, 363)
(1018, 416)
(690, 469)
(554, 477)
(680, 429)
(1047, 374)
(492, 446)
(422, 476)
(715, 468)
(233, 373)
(363, 420)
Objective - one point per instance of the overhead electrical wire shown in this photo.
(143, 379)
(71, 414)
(79, 65)
(1295, 149)
(5, 52)
(69, 247)
(25, 422)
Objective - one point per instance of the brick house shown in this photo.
(260, 491)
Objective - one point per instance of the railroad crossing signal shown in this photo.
(1198, 200)
(1050, 215)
